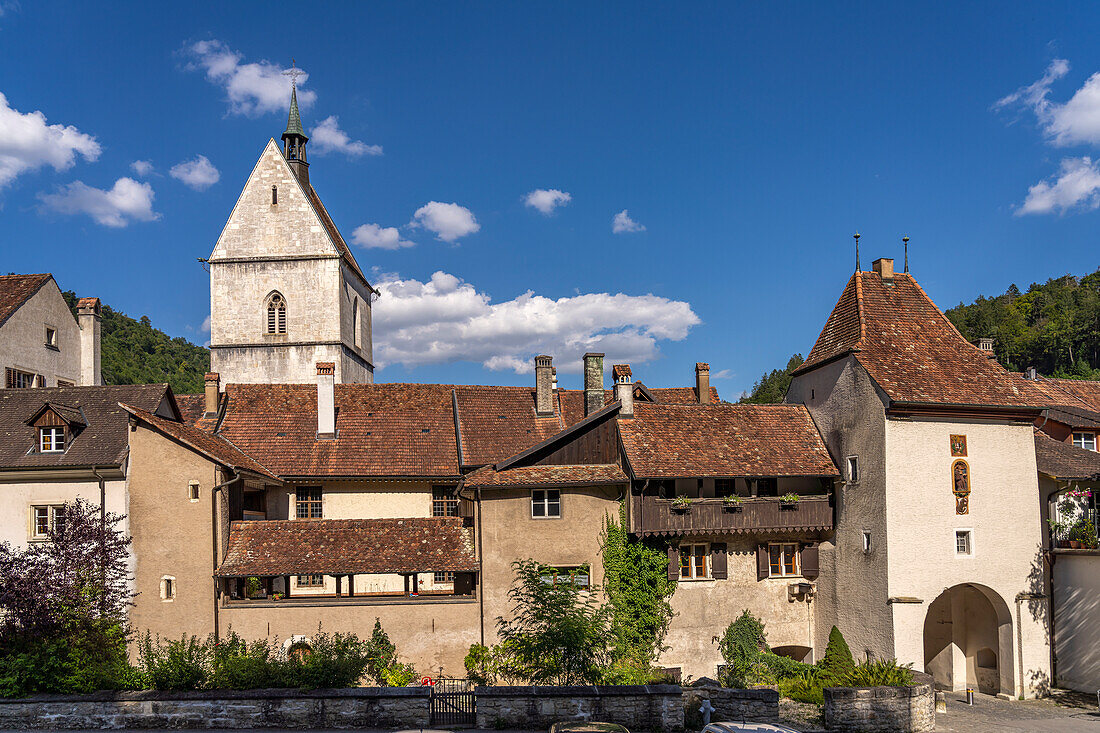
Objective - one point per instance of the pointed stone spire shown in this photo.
(294, 139)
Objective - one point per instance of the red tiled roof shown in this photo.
(911, 350)
(500, 421)
(192, 407)
(1064, 460)
(1084, 391)
(348, 547)
(216, 448)
(670, 441)
(545, 475)
(15, 290)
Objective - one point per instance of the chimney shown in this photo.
(544, 385)
(702, 382)
(884, 266)
(87, 317)
(554, 378)
(593, 383)
(986, 344)
(1032, 374)
(326, 400)
(213, 387)
(624, 389)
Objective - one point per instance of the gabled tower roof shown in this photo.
(294, 119)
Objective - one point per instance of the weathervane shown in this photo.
(857, 235)
(293, 72)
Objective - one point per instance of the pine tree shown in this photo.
(838, 661)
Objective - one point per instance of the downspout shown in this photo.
(480, 570)
(102, 533)
(214, 539)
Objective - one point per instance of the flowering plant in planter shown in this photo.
(789, 498)
(681, 503)
(732, 503)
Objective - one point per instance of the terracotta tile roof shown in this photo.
(102, 442)
(571, 401)
(542, 475)
(911, 350)
(500, 421)
(348, 547)
(15, 290)
(192, 407)
(1083, 391)
(1064, 460)
(213, 447)
(670, 441)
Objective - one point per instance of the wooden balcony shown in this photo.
(652, 516)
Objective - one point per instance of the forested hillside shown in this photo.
(772, 387)
(133, 352)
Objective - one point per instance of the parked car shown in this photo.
(728, 727)
(587, 727)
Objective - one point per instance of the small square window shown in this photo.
(866, 541)
(51, 337)
(193, 491)
(545, 503)
(964, 544)
(51, 440)
(853, 469)
(1085, 440)
(444, 502)
(308, 504)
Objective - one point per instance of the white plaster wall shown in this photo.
(23, 338)
(1005, 518)
(16, 499)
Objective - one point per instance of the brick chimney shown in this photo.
(326, 400)
(702, 382)
(88, 317)
(884, 266)
(544, 385)
(213, 387)
(624, 389)
(593, 383)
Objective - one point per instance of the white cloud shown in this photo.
(723, 374)
(546, 200)
(198, 173)
(447, 221)
(253, 88)
(205, 327)
(126, 200)
(377, 237)
(445, 320)
(28, 143)
(1076, 186)
(327, 137)
(142, 167)
(622, 223)
(1071, 123)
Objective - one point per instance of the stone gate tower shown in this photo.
(285, 289)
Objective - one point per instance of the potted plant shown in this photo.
(276, 596)
(1082, 534)
(253, 587)
(681, 504)
(1057, 530)
(789, 501)
(731, 503)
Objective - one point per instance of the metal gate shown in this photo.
(452, 702)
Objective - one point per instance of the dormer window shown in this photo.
(51, 440)
(1085, 440)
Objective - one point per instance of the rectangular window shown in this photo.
(193, 491)
(725, 486)
(963, 543)
(694, 562)
(65, 383)
(51, 440)
(866, 541)
(1085, 440)
(545, 503)
(308, 504)
(444, 502)
(783, 559)
(576, 575)
(311, 581)
(51, 337)
(167, 588)
(18, 379)
(853, 469)
(767, 487)
(443, 578)
(45, 518)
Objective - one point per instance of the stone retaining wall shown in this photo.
(638, 707)
(882, 709)
(757, 705)
(388, 707)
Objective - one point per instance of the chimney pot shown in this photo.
(213, 388)
(702, 382)
(985, 344)
(88, 319)
(624, 389)
(593, 383)
(884, 266)
(326, 400)
(544, 385)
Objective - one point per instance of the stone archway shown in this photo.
(968, 640)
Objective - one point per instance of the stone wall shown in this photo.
(755, 706)
(401, 707)
(882, 709)
(650, 707)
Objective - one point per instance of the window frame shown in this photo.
(315, 500)
(275, 322)
(440, 577)
(51, 338)
(444, 502)
(193, 491)
(1090, 436)
(312, 580)
(796, 560)
(20, 379)
(852, 465)
(168, 588)
(968, 533)
(694, 552)
(54, 431)
(545, 503)
(867, 545)
(52, 513)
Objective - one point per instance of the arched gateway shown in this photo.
(968, 640)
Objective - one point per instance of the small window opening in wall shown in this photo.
(274, 195)
(167, 588)
(963, 542)
(853, 469)
(51, 337)
(1085, 440)
(811, 394)
(545, 503)
(866, 541)
(193, 491)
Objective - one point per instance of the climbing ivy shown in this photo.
(638, 590)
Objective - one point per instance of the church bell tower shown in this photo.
(294, 139)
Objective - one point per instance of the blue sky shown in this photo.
(750, 141)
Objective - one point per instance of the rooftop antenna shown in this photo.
(856, 236)
(905, 241)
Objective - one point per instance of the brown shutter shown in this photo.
(673, 562)
(718, 560)
(763, 567)
(810, 568)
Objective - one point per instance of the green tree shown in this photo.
(772, 387)
(837, 662)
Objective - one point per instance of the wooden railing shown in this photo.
(650, 515)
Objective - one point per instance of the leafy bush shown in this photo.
(804, 686)
(743, 640)
(174, 665)
(879, 673)
(838, 661)
(238, 665)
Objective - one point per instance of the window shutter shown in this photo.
(809, 562)
(673, 562)
(762, 566)
(718, 560)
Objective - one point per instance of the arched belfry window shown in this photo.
(276, 314)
